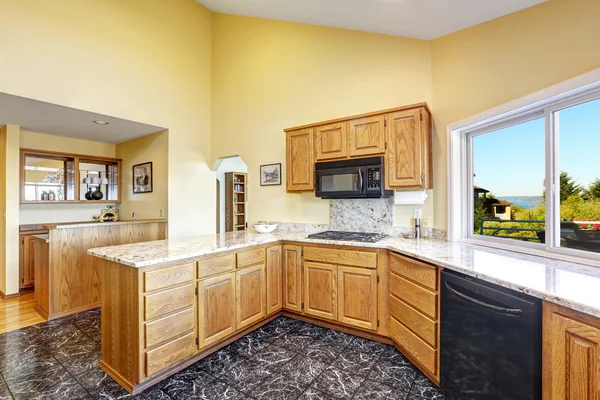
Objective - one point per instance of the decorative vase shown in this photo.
(88, 194)
(97, 194)
(52, 196)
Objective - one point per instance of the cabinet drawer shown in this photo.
(420, 298)
(217, 265)
(343, 257)
(250, 257)
(162, 278)
(415, 346)
(170, 353)
(416, 271)
(169, 327)
(164, 302)
(424, 327)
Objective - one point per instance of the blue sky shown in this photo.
(510, 162)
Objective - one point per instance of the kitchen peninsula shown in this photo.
(172, 302)
(67, 278)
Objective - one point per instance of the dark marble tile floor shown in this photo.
(285, 359)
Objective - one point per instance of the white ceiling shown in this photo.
(422, 19)
(38, 116)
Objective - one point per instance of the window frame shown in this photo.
(544, 104)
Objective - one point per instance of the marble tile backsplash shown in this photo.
(362, 215)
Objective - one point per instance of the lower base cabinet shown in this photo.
(216, 308)
(250, 295)
(320, 290)
(357, 297)
(571, 354)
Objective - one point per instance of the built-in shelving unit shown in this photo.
(52, 177)
(236, 200)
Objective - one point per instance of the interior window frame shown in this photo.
(544, 103)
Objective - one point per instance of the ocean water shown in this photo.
(527, 202)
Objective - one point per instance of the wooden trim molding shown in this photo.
(9, 296)
(369, 114)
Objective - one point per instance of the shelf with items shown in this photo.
(52, 177)
(236, 201)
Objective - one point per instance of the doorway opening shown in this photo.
(232, 194)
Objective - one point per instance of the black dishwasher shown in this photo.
(491, 341)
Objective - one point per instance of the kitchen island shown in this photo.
(67, 278)
(166, 304)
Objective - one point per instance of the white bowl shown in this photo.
(264, 228)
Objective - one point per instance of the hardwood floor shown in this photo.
(18, 312)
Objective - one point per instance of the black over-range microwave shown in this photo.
(351, 179)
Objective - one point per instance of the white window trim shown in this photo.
(542, 103)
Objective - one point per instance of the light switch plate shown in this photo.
(417, 213)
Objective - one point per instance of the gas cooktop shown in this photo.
(349, 236)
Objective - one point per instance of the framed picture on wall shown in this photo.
(142, 178)
(270, 174)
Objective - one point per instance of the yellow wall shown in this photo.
(501, 60)
(270, 75)
(9, 191)
(152, 148)
(142, 60)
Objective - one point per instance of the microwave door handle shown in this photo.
(360, 181)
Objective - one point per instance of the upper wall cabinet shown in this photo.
(300, 167)
(51, 177)
(367, 136)
(402, 135)
(331, 141)
(408, 154)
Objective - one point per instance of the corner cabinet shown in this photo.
(300, 167)
(571, 354)
(292, 278)
(403, 135)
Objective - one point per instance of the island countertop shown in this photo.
(568, 284)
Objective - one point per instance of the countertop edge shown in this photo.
(95, 223)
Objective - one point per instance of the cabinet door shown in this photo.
(300, 167)
(26, 262)
(216, 308)
(331, 141)
(250, 295)
(274, 286)
(320, 290)
(404, 154)
(292, 278)
(572, 357)
(367, 136)
(357, 301)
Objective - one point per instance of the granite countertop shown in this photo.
(88, 223)
(568, 284)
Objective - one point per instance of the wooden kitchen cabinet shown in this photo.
(571, 354)
(331, 141)
(357, 297)
(216, 308)
(408, 153)
(403, 135)
(320, 290)
(292, 278)
(26, 262)
(300, 166)
(250, 293)
(366, 136)
(414, 312)
(274, 280)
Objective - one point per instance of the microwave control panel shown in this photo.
(373, 178)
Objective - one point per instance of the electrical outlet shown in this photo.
(417, 213)
(162, 212)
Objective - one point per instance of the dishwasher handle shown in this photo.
(513, 312)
